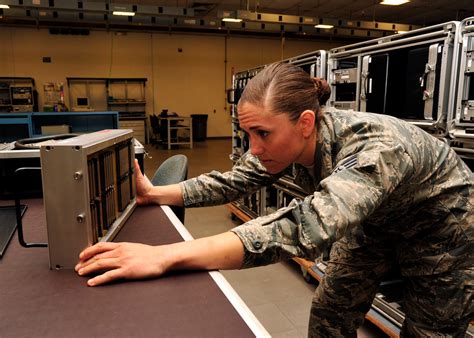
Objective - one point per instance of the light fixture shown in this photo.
(402, 32)
(231, 20)
(4, 6)
(123, 13)
(324, 26)
(394, 2)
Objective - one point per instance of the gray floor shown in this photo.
(277, 294)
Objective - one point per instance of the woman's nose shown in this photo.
(255, 148)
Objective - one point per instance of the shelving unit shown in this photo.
(127, 96)
(176, 125)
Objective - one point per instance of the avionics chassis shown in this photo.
(88, 189)
(412, 76)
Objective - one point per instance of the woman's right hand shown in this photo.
(144, 187)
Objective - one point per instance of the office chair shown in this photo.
(173, 170)
(155, 127)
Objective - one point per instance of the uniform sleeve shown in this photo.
(306, 228)
(247, 176)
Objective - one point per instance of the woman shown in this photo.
(379, 191)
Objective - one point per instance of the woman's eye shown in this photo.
(263, 133)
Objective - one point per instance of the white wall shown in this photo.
(192, 81)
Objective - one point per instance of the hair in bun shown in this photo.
(323, 90)
(283, 88)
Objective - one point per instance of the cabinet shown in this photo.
(17, 94)
(138, 125)
(15, 126)
(78, 122)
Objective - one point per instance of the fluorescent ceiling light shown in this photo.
(123, 13)
(394, 2)
(231, 20)
(324, 26)
(4, 6)
(402, 32)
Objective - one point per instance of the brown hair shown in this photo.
(283, 88)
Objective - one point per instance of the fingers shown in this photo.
(97, 264)
(106, 277)
(103, 261)
(99, 258)
(137, 167)
(143, 186)
(97, 249)
(140, 175)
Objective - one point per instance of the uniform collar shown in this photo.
(326, 150)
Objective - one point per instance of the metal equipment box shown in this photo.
(89, 191)
(461, 129)
(411, 76)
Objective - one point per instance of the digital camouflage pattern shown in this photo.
(386, 191)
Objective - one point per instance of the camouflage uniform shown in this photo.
(383, 191)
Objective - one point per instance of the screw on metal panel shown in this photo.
(78, 175)
(80, 218)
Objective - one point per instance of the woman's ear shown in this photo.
(307, 122)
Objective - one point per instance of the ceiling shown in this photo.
(416, 12)
(359, 19)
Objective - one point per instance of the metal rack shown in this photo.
(411, 76)
(176, 125)
(461, 127)
(425, 77)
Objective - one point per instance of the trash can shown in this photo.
(199, 127)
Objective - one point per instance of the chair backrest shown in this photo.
(173, 170)
(155, 124)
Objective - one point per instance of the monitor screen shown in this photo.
(82, 102)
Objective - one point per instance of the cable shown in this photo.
(30, 143)
(19, 222)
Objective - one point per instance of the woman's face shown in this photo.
(275, 140)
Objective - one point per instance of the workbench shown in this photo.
(38, 301)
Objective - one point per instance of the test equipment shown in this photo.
(89, 191)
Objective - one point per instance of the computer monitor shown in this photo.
(82, 102)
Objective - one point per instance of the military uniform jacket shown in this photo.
(378, 181)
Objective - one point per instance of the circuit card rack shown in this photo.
(89, 191)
